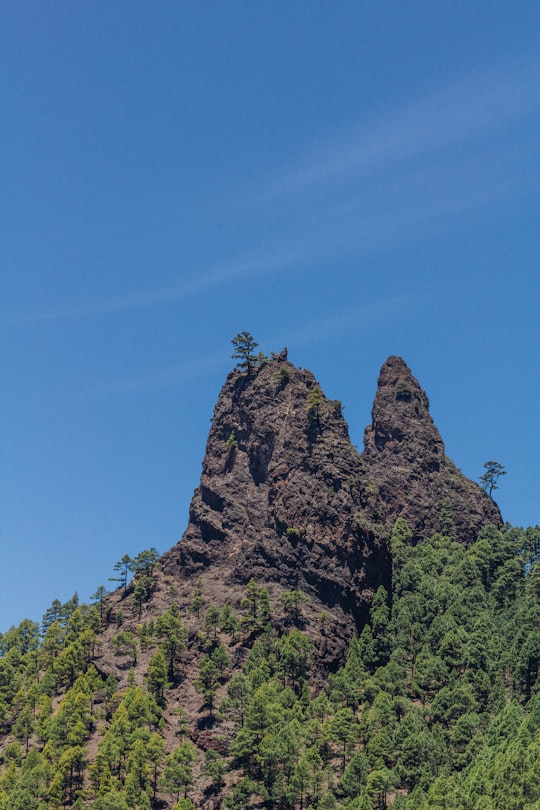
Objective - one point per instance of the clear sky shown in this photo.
(349, 179)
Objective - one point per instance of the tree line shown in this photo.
(437, 704)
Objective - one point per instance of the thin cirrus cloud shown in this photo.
(447, 160)
(342, 321)
(435, 163)
(472, 109)
(193, 284)
(335, 323)
(423, 202)
(414, 202)
(149, 382)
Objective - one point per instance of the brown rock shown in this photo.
(285, 498)
(282, 499)
(405, 456)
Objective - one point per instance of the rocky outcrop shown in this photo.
(404, 454)
(285, 498)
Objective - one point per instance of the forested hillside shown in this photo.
(334, 630)
(436, 706)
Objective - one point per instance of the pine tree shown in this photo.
(244, 346)
(157, 675)
(124, 568)
(489, 480)
(178, 771)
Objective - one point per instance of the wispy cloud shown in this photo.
(192, 283)
(337, 322)
(472, 109)
(434, 163)
(419, 202)
(146, 383)
(357, 319)
(437, 163)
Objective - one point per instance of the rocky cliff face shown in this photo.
(285, 498)
(404, 454)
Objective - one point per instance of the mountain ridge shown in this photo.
(334, 629)
(285, 497)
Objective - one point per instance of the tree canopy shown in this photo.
(436, 705)
(490, 478)
(244, 345)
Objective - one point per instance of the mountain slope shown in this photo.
(309, 642)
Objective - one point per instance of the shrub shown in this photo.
(404, 391)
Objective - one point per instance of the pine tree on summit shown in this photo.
(244, 345)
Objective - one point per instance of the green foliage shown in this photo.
(446, 519)
(404, 391)
(244, 346)
(157, 676)
(170, 628)
(144, 588)
(197, 602)
(256, 603)
(293, 652)
(439, 641)
(228, 622)
(100, 598)
(178, 771)
(235, 704)
(214, 768)
(184, 804)
(282, 376)
(314, 401)
(145, 562)
(220, 658)
(123, 567)
(212, 620)
(489, 480)
(292, 604)
(207, 681)
(125, 644)
(436, 705)
(240, 795)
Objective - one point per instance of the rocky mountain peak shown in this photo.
(405, 456)
(401, 424)
(286, 499)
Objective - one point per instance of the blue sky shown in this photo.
(351, 180)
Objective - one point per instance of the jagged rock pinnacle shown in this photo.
(401, 423)
(285, 498)
(405, 456)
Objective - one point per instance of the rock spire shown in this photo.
(286, 499)
(405, 456)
